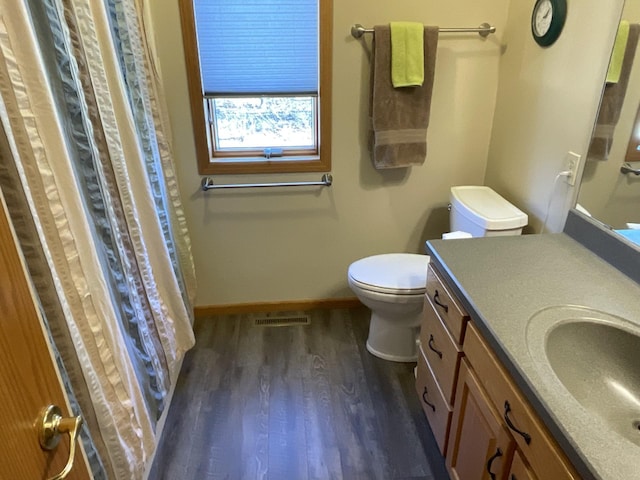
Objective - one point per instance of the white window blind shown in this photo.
(258, 47)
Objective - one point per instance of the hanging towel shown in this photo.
(399, 117)
(612, 101)
(407, 54)
(617, 56)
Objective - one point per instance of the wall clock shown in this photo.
(547, 20)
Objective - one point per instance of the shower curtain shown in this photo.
(87, 173)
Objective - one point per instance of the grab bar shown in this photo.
(483, 30)
(627, 168)
(207, 184)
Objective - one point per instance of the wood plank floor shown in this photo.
(294, 403)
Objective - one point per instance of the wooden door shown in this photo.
(479, 445)
(519, 469)
(29, 379)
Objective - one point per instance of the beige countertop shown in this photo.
(504, 282)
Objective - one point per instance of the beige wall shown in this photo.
(546, 106)
(255, 246)
(608, 195)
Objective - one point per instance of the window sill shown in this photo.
(240, 165)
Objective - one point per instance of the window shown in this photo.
(259, 76)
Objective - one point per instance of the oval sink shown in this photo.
(599, 364)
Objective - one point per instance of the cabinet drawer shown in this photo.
(540, 450)
(449, 310)
(442, 353)
(434, 405)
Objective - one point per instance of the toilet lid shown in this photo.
(392, 272)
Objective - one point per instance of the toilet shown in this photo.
(392, 285)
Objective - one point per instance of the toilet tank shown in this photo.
(481, 212)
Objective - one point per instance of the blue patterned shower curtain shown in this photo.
(87, 172)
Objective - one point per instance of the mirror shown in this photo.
(606, 193)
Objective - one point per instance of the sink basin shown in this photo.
(594, 357)
(598, 362)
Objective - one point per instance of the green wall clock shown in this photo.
(547, 20)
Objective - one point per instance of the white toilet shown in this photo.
(393, 285)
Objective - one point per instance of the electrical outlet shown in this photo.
(572, 164)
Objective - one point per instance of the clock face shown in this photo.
(542, 17)
(547, 20)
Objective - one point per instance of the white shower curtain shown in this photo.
(88, 161)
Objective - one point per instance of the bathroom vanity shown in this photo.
(513, 385)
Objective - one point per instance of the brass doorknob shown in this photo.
(51, 424)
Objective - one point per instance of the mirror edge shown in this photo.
(604, 242)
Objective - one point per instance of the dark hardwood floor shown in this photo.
(294, 403)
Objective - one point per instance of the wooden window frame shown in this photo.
(207, 165)
(633, 154)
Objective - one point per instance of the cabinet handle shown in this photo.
(424, 399)
(436, 300)
(490, 462)
(507, 409)
(431, 340)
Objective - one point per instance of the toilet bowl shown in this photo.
(392, 286)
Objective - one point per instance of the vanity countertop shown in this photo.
(503, 282)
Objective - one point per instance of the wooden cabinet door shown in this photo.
(540, 451)
(519, 469)
(479, 446)
(28, 376)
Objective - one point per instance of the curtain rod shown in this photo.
(483, 30)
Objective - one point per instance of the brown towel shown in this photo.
(399, 116)
(612, 101)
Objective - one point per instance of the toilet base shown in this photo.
(393, 342)
(391, 358)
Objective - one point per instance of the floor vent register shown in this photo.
(282, 321)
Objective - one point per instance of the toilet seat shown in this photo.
(386, 291)
(392, 273)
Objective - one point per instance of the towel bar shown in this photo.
(483, 30)
(627, 168)
(207, 184)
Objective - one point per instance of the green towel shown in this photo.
(407, 54)
(619, 47)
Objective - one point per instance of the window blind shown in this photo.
(258, 47)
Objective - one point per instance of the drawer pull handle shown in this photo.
(424, 399)
(436, 300)
(431, 340)
(490, 462)
(507, 409)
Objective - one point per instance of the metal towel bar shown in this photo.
(207, 184)
(627, 168)
(484, 30)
